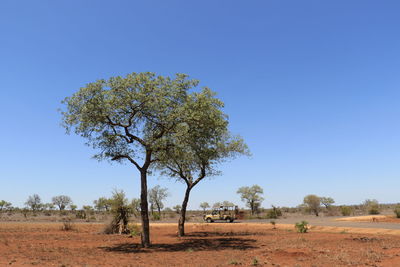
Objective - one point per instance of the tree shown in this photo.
(204, 206)
(252, 197)
(128, 119)
(327, 201)
(217, 205)
(371, 206)
(312, 203)
(49, 206)
(102, 204)
(227, 203)
(135, 203)
(61, 201)
(177, 208)
(201, 142)
(156, 197)
(73, 207)
(34, 202)
(4, 205)
(121, 210)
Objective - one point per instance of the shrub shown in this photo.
(273, 223)
(397, 211)
(134, 230)
(67, 225)
(121, 210)
(346, 210)
(156, 217)
(274, 213)
(302, 227)
(371, 206)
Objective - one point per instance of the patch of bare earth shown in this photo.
(219, 244)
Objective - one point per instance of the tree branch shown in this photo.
(118, 157)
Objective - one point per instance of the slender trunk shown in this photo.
(144, 209)
(159, 210)
(181, 223)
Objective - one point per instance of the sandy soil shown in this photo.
(371, 218)
(218, 244)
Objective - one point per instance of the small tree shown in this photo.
(312, 204)
(135, 204)
(61, 201)
(156, 197)
(102, 204)
(216, 205)
(4, 205)
(204, 206)
(73, 207)
(177, 208)
(251, 196)
(327, 202)
(121, 210)
(34, 202)
(227, 203)
(371, 206)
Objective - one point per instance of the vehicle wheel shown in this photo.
(209, 220)
(228, 220)
(231, 220)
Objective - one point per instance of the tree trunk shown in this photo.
(144, 209)
(181, 223)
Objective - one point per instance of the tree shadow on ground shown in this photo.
(198, 244)
(216, 233)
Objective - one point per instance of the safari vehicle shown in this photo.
(224, 213)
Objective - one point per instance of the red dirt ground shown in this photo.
(26, 244)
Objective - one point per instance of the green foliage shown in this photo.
(102, 204)
(135, 205)
(61, 201)
(255, 262)
(73, 207)
(4, 205)
(34, 202)
(156, 217)
(371, 206)
(156, 197)
(273, 223)
(121, 210)
(204, 206)
(397, 211)
(312, 204)
(134, 230)
(302, 227)
(346, 210)
(327, 201)
(251, 196)
(177, 208)
(274, 213)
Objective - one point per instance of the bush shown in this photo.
(397, 211)
(121, 210)
(274, 213)
(302, 227)
(346, 210)
(156, 217)
(134, 230)
(67, 225)
(371, 206)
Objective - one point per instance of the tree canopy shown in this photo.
(130, 118)
(251, 196)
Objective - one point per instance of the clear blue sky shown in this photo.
(312, 86)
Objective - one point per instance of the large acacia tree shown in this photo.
(201, 142)
(129, 119)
